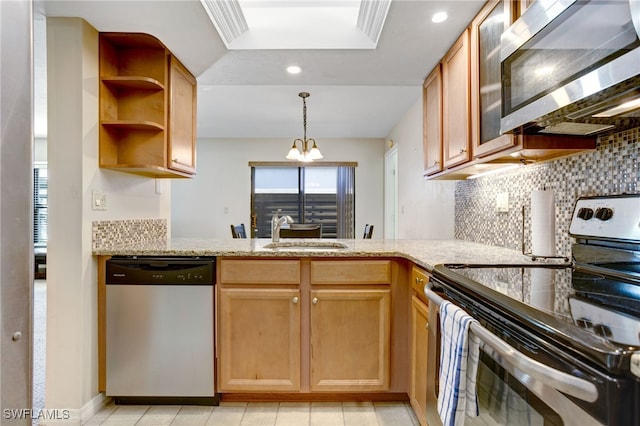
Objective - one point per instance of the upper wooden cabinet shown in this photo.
(455, 103)
(147, 108)
(469, 105)
(486, 97)
(182, 118)
(432, 123)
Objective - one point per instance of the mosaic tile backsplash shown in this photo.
(612, 168)
(114, 233)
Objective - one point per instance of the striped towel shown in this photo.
(459, 354)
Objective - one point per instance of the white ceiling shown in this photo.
(248, 93)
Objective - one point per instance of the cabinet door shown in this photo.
(456, 103)
(486, 99)
(432, 121)
(258, 344)
(419, 342)
(182, 118)
(523, 5)
(350, 339)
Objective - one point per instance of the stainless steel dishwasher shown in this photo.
(160, 330)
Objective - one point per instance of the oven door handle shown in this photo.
(558, 380)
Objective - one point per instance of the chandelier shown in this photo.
(304, 153)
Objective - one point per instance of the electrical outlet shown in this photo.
(98, 201)
(502, 202)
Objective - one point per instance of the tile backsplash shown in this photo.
(115, 233)
(612, 168)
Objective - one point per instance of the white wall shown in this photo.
(72, 151)
(425, 208)
(220, 195)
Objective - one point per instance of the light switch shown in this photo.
(99, 201)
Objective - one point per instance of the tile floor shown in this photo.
(260, 414)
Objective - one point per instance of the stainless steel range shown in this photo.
(561, 342)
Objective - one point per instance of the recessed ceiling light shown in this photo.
(439, 17)
(294, 69)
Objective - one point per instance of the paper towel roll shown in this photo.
(542, 294)
(543, 223)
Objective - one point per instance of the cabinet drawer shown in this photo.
(419, 277)
(351, 272)
(254, 271)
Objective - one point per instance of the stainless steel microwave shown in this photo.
(572, 67)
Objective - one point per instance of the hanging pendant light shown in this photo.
(305, 153)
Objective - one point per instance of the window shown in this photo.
(40, 197)
(322, 195)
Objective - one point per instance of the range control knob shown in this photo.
(602, 330)
(604, 213)
(585, 213)
(584, 323)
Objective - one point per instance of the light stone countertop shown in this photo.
(426, 253)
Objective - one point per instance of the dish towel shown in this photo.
(459, 354)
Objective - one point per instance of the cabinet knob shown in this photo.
(314, 300)
(462, 151)
(435, 163)
(295, 299)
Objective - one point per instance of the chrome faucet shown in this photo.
(276, 223)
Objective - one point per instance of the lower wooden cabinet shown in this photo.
(419, 345)
(298, 325)
(259, 339)
(350, 339)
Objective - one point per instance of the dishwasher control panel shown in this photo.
(160, 271)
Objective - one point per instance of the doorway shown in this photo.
(391, 193)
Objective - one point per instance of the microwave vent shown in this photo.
(577, 129)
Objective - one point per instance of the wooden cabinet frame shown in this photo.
(456, 103)
(432, 121)
(147, 108)
(258, 339)
(501, 142)
(366, 290)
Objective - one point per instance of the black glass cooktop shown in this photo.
(546, 289)
(592, 318)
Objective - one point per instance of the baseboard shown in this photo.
(73, 416)
(92, 407)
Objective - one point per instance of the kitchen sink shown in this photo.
(306, 245)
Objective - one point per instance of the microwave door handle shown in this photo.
(558, 380)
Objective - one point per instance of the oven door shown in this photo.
(508, 392)
(507, 396)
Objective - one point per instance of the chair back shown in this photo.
(238, 231)
(308, 231)
(368, 231)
